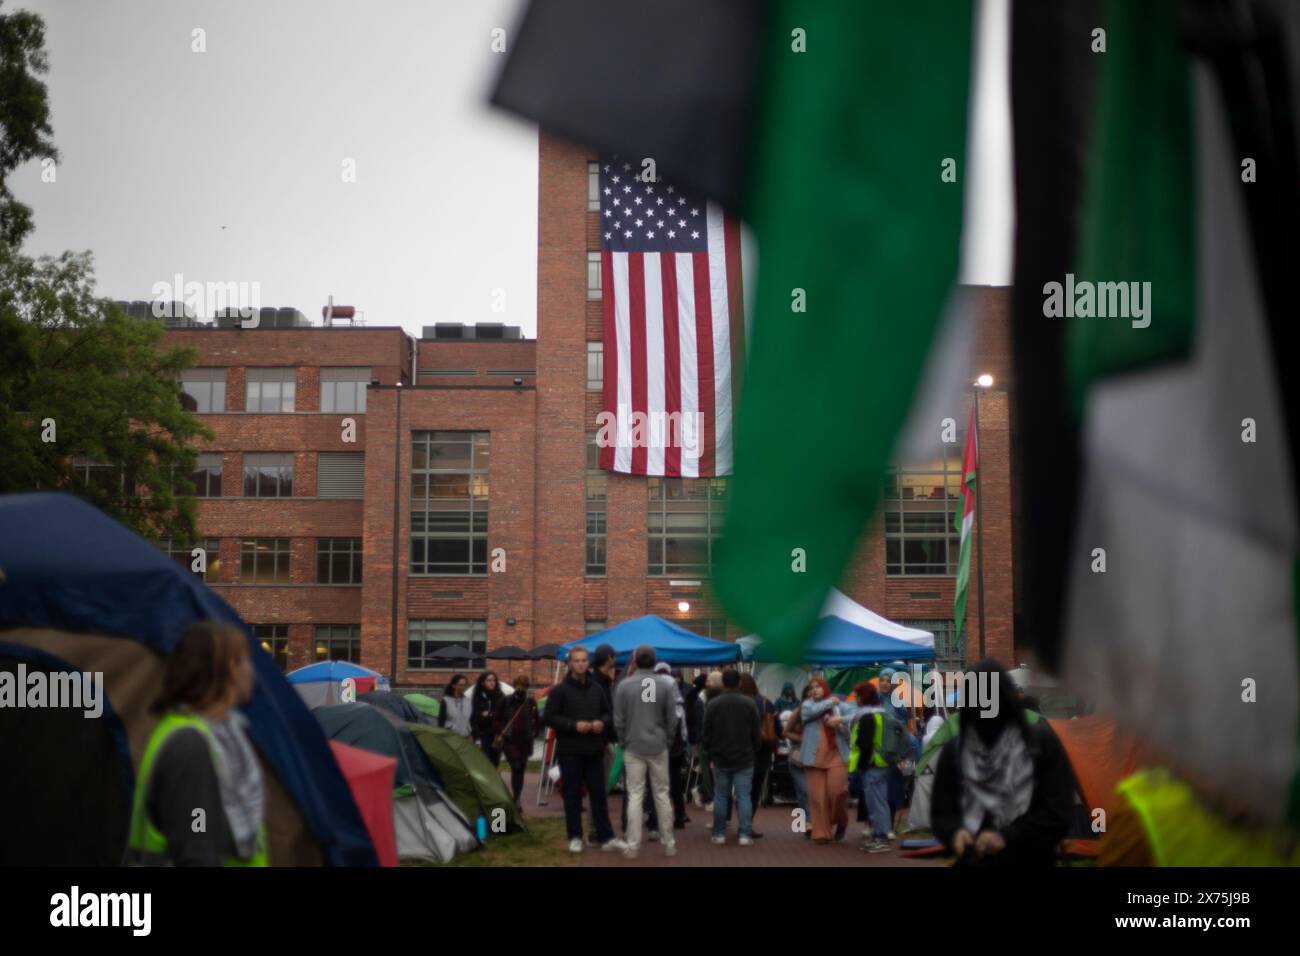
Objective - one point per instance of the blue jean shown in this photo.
(875, 790)
(725, 779)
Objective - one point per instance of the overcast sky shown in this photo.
(227, 165)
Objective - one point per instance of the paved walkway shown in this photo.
(779, 846)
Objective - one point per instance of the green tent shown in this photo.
(425, 704)
(471, 782)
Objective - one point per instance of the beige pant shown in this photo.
(637, 768)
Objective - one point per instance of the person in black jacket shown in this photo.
(731, 739)
(580, 713)
(487, 694)
(1003, 789)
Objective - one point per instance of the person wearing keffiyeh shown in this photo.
(1003, 790)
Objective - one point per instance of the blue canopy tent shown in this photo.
(80, 593)
(672, 643)
(839, 643)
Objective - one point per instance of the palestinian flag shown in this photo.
(969, 473)
(828, 127)
(1180, 617)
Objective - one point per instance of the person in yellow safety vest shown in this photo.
(199, 796)
(865, 738)
(1161, 821)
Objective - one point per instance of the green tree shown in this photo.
(77, 369)
(24, 113)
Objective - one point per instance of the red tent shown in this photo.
(370, 777)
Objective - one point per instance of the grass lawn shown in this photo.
(542, 844)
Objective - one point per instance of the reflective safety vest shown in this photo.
(147, 845)
(855, 751)
(1181, 831)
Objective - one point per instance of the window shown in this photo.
(595, 366)
(338, 560)
(449, 502)
(207, 475)
(597, 527)
(593, 627)
(343, 389)
(185, 557)
(921, 506)
(684, 520)
(593, 187)
(340, 474)
(109, 479)
(268, 475)
(207, 386)
(947, 655)
(424, 638)
(338, 642)
(274, 639)
(264, 560)
(270, 390)
(593, 275)
(715, 628)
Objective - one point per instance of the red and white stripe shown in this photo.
(674, 346)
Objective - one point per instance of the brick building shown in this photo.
(444, 490)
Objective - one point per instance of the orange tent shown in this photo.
(1101, 755)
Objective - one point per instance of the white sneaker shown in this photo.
(708, 807)
(609, 846)
(670, 849)
(891, 836)
(575, 845)
(746, 841)
(718, 840)
(629, 852)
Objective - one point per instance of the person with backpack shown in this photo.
(824, 754)
(768, 736)
(868, 760)
(896, 783)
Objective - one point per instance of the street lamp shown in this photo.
(984, 381)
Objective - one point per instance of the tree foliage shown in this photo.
(79, 369)
(25, 131)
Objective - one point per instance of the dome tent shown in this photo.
(81, 594)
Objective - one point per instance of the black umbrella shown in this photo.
(454, 653)
(545, 652)
(508, 653)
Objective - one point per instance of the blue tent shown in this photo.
(65, 566)
(672, 643)
(839, 643)
(331, 671)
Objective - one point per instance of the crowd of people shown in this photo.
(1002, 793)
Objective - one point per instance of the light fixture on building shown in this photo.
(683, 606)
(519, 381)
(984, 381)
(510, 622)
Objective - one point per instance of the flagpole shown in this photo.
(979, 520)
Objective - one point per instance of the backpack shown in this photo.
(896, 744)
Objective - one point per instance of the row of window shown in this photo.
(424, 638)
(267, 560)
(333, 642)
(274, 390)
(270, 475)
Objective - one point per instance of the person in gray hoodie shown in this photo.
(645, 719)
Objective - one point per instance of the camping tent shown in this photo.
(839, 604)
(672, 643)
(397, 705)
(427, 824)
(840, 643)
(321, 684)
(81, 594)
(429, 706)
(370, 778)
(472, 782)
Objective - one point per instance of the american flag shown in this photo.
(674, 327)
